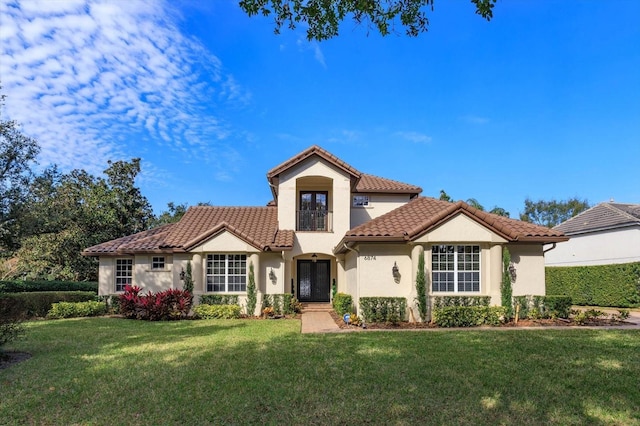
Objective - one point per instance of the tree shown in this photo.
(188, 280)
(323, 17)
(506, 289)
(475, 204)
(421, 288)
(552, 213)
(252, 295)
(444, 196)
(66, 213)
(17, 153)
(499, 211)
(173, 214)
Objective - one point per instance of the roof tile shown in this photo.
(371, 183)
(601, 217)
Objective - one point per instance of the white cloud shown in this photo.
(86, 77)
(415, 137)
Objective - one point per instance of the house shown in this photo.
(605, 234)
(330, 224)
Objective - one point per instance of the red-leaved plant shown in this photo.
(170, 304)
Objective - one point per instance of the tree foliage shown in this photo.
(323, 17)
(553, 212)
(421, 289)
(17, 153)
(475, 204)
(66, 213)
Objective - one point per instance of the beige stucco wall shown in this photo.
(327, 178)
(528, 260)
(379, 204)
(597, 248)
(460, 229)
(142, 274)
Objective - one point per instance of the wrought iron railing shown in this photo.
(314, 220)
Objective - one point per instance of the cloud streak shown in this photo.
(92, 79)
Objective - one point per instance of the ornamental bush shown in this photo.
(468, 316)
(20, 286)
(342, 303)
(600, 285)
(219, 299)
(172, 304)
(38, 303)
(383, 309)
(11, 317)
(77, 309)
(537, 307)
(217, 311)
(443, 301)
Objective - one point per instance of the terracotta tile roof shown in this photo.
(422, 214)
(310, 152)
(145, 240)
(602, 217)
(258, 226)
(371, 183)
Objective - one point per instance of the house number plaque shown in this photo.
(369, 258)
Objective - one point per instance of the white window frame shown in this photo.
(123, 273)
(158, 263)
(226, 273)
(466, 267)
(365, 200)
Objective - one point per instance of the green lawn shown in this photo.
(123, 372)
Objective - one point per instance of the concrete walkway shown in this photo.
(321, 322)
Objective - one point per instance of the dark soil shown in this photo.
(7, 359)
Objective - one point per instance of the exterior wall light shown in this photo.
(272, 277)
(395, 272)
(182, 274)
(314, 258)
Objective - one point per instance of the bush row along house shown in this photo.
(328, 224)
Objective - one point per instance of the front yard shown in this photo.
(114, 371)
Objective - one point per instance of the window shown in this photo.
(360, 201)
(124, 273)
(226, 272)
(157, 263)
(455, 268)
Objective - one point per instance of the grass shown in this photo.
(107, 371)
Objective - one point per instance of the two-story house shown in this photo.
(329, 223)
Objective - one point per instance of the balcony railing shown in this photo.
(314, 220)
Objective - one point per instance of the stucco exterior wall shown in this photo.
(460, 229)
(528, 259)
(597, 248)
(336, 182)
(350, 286)
(142, 274)
(379, 204)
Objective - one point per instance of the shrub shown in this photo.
(217, 311)
(38, 303)
(77, 309)
(219, 299)
(506, 289)
(584, 317)
(600, 285)
(468, 316)
(167, 305)
(111, 302)
(444, 301)
(295, 307)
(11, 316)
(383, 309)
(252, 296)
(536, 307)
(266, 302)
(421, 289)
(39, 286)
(342, 303)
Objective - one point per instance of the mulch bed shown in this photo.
(522, 323)
(7, 359)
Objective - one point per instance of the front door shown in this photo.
(313, 280)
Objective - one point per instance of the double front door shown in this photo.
(313, 280)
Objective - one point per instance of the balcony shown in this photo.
(314, 220)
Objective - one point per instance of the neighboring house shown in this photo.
(329, 223)
(605, 234)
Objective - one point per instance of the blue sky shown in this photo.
(541, 102)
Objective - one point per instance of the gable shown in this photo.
(460, 228)
(314, 166)
(224, 242)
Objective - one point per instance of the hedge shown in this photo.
(217, 311)
(536, 307)
(219, 299)
(38, 303)
(19, 286)
(599, 285)
(445, 301)
(468, 316)
(383, 309)
(77, 309)
(342, 303)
